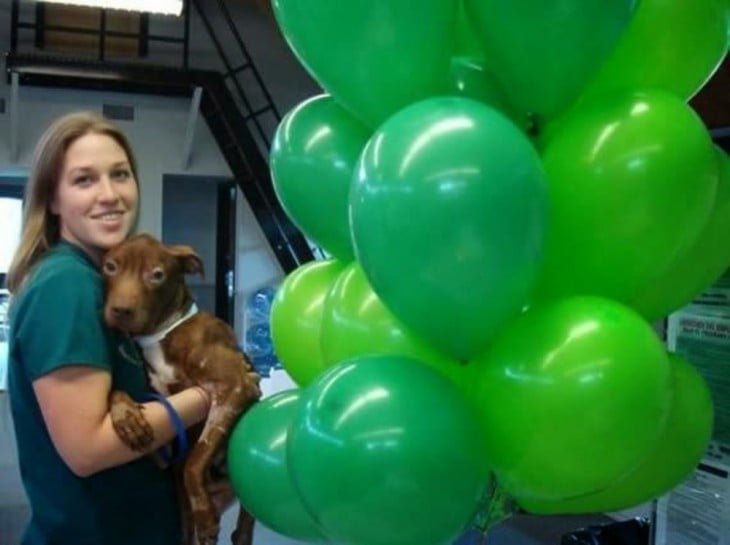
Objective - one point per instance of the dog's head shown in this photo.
(145, 283)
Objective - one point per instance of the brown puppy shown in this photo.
(146, 297)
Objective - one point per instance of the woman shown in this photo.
(84, 485)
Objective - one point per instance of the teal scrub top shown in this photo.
(57, 320)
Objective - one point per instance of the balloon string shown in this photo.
(498, 506)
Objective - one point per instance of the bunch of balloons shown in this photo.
(511, 193)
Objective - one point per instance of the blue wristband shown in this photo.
(177, 423)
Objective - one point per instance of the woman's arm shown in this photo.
(74, 401)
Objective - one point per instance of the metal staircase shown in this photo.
(253, 114)
(238, 125)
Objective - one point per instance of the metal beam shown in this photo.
(190, 129)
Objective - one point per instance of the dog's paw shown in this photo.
(129, 422)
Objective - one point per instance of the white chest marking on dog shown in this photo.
(162, 374)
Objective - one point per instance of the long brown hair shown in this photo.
(41, 229)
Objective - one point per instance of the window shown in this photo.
(11, 211)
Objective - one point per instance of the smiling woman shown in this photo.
(96, 196)
(81, 200)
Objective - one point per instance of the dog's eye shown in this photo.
(110, 267)
(157, 275)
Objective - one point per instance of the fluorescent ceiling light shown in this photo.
(167, 7)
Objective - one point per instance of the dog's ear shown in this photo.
(190, 261)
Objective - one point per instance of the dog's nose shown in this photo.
(122, 312)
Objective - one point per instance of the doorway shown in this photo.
(200, 211)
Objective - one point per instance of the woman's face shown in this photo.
(96, 197)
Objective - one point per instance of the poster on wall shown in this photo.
(698, 511)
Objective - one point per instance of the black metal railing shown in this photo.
(208, 12)
(39, 26)
(252, 115)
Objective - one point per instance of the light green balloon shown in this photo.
(700, 266)
(448, 215)
(373, 58)
(545, 52)
(313, 153)
(632, 181)
(296, 318)
(356, 323)
(259, 470)
(676, 453)
(674, 45)
(573, 395)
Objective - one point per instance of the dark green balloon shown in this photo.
(259, 470)
(448, 218)
(373, 58)
(466, 41)
(385, 451)
(544, 53)
(473, 77)
(313, 153)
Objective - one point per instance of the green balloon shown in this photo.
(373, 59)
(471, 77)
(313, 153)
(632, 182)
(448, 214)
(573, 395)
(376, 464)
(699, 267)
(466, 41)
(674, 45)
(356, 323)
(259, 471)
(679, 449)
(545, 52)
(296, 318)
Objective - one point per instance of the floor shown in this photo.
(13, 506)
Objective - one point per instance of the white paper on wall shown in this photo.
(698, 511)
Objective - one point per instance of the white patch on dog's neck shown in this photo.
(168, 325)
(162, 374)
